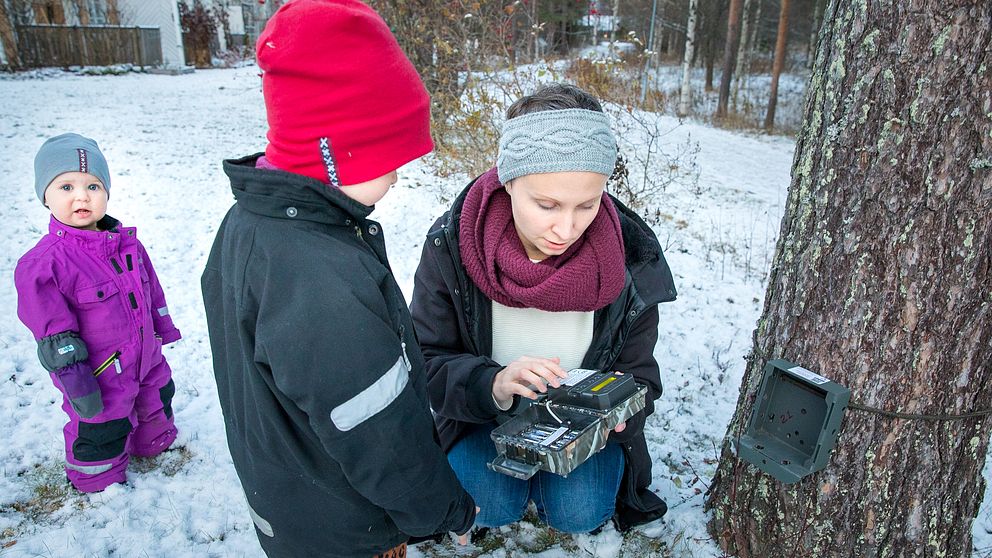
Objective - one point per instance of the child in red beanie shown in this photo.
(319, 375)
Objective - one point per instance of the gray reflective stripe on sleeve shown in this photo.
(163, 311)
(264, 526)
(89, 469)
(372, 399)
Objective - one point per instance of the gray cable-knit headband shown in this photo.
(555, 141)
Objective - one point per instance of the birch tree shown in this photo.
(741, 55)
(685, 95)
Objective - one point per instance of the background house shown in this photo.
(163, 14)
(37, 31)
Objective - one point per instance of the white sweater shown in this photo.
(535, 333)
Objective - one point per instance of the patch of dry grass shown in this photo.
(170, 461)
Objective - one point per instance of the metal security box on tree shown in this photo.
(794, 423)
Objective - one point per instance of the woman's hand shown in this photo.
(518, 377)
(463, 539)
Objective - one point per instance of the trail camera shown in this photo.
(794, 423)
(567, 425)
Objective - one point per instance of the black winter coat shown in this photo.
(319, 376)
(454, 327)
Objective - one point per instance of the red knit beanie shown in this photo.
(344, 104)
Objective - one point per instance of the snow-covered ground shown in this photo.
(164, 138)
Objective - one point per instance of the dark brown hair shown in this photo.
(556, 96)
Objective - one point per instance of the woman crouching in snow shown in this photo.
(533, 271)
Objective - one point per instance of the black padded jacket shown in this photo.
(320, 380)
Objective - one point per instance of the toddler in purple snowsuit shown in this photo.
(89, 294)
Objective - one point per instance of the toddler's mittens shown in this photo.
(82, 389)
(64, 355)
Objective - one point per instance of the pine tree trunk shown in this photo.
(780, 39)
(881, 282)
(8, 38)
(685, 95)
(730, 48)
(741, 53)
(712, 16)
(710, 58)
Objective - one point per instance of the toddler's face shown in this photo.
(77, 199)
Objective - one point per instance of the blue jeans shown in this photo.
(577, 504)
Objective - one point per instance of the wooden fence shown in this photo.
(64, 45)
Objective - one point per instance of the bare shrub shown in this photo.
(468, 53)
(199, 25)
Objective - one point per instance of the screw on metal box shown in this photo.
(794, 423)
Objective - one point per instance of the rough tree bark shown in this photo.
(880, 282)
(685, 95)
(729, 50)
(8, 38)
(780, 40)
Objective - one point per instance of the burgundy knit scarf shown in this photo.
(586, 277)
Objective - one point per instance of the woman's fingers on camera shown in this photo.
(533, 378)
(549, 370)
(524, 391)
(530, 373)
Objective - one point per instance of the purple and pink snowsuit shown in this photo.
(92, 298)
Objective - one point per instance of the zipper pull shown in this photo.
(114, 359)
(406, 359)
